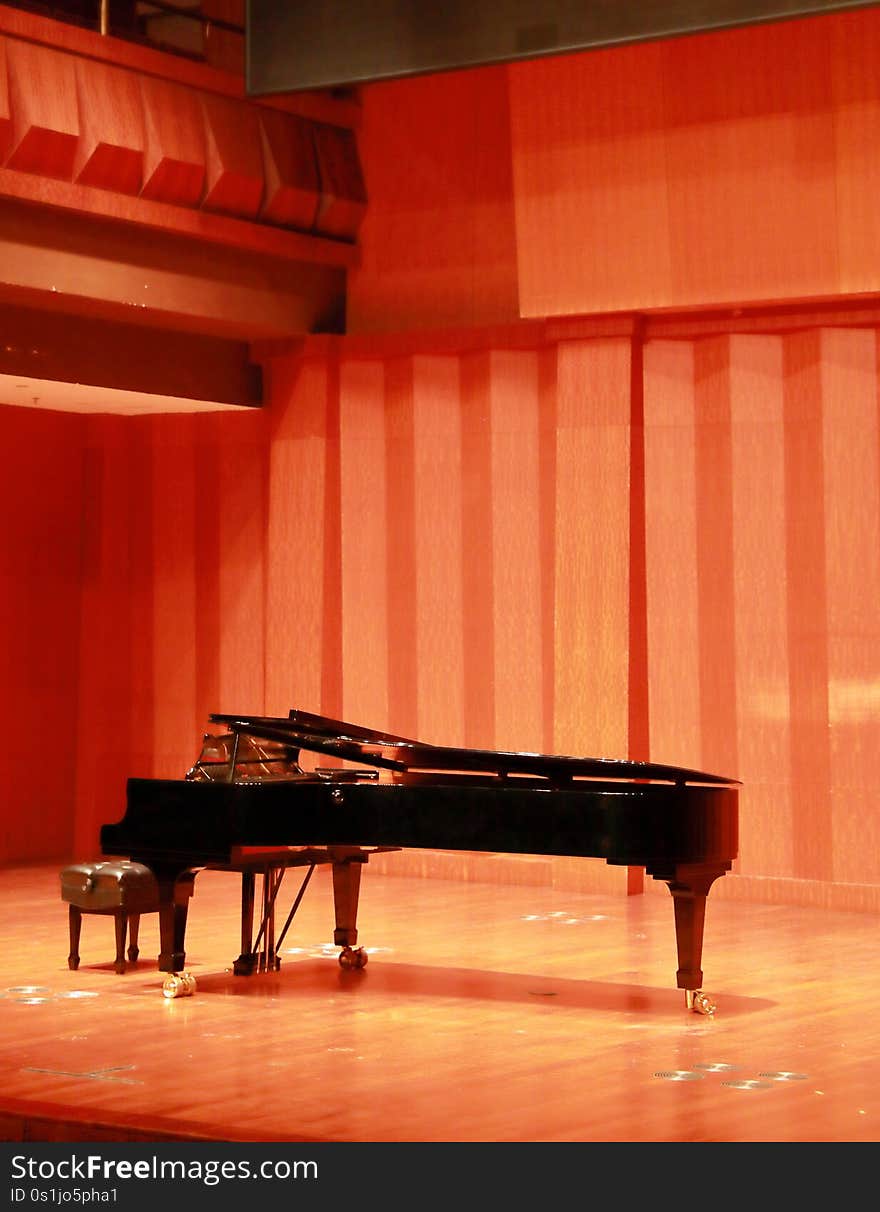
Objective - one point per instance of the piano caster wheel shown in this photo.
(179, 984)
(352, 957)
(699, 1002)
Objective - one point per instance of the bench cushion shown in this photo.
(111, 886)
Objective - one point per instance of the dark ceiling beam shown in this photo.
(37, 345)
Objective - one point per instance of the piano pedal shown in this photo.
(700, 1002)
(179, 984)
(352, 957)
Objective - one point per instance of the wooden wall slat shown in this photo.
(761, 604)
(175, 622)
(715, 573)
(295, 538)
(589, 179)
(671, 552)
(441, 604)
(477, 569)
(592, 530)
(806, 569)
(103, 700)
(516, 557)
(242, 459)
(851, 502)
(402, 550)
(364, 521)
(40, 566)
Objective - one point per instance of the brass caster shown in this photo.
(352, 957)
(699, 1002)
(179, 984)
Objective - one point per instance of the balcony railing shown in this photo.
(210, 31)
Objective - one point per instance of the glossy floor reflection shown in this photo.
(485, 1013)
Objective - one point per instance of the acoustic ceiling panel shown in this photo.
(340, 43)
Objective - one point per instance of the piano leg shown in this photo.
(247, 960)
(347, 866)
(689, 885)
(174, 894)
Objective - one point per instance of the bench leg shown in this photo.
(121, 921)
(134, 922)
(74, 918)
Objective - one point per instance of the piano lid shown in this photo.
(353, 742)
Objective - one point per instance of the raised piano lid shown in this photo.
(353, 742)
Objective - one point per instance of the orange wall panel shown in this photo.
(364, 519)
(516, 554)
(40, 564)
(749, 164)
(241, 520)
(104, 687)
(437, 243)
(761, 604)
(478, 555)
(592, 224)
(175, 623)
(714, 553)
(854, 47)
(726, 167)
(295, 537)
(851, 501)
(5, 114)
(401, 548)
(592, 540)
(805, 565)
(442, 607)
(671, 553)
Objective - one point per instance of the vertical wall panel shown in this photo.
(295, 535)
(671, 552)
(714, 533)
(104, 690)
(852, 555)
(854, 46)
(242, 485)
(437, 243)
(761, 596)
(40, 553)
(516, 557)
(135, 498)
(400, 472)
(478, 557)
(441, 607)
(806, 569)
(749, 163)
(364, 544)
(592, 227)
(175, 624)
(592, 529)
(723, 167)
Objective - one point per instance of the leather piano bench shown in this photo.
(117, 888)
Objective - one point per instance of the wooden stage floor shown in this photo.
(486, 1013)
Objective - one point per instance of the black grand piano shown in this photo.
(248, 805)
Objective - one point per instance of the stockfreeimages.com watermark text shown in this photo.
(95, 1167)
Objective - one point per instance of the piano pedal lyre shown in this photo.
(700, 1002)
